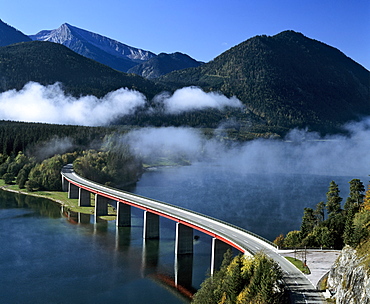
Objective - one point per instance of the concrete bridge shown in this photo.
(224, 235)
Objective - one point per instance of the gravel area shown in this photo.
(319, 261)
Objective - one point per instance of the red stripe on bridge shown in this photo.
(194, 226)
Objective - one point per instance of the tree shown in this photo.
(333, 205)
(292, 239)
(308, 222)
(279, 241)
(8, 178)
(348, 234)
(366, 205)
(356, 195)
(319, 212)
(323, 237)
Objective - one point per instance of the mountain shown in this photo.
(163, 64)
(288, 80)
(9, 35)
(94, 46)
(47, 63)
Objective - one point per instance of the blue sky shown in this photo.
(201, 28)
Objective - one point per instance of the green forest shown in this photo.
(33, 154)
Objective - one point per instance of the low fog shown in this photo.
(301, 152)
(50, 104)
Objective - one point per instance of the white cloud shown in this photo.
(49, 104)
(193, 98)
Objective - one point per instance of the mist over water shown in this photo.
(301, 152)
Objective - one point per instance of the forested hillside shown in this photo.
(288, 80)
(47, 63)
(18, 136)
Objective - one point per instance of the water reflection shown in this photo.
(41, 206)
(130, 255)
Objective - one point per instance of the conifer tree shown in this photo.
(308, 222)
(333, 204)
(356, 195)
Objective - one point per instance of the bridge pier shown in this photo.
(101, 205)
(65, 184)
(123, 218)
(218, 250)
(151, 225)
(72, 191)
(184, 239)
(84, 198)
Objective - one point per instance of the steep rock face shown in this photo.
(94, 46)
(348, 280)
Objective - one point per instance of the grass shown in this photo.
(61, 198)
(299, 264)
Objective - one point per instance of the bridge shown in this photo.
(224, 235)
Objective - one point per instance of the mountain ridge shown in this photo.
(47, 63)
(95, 46)
(10, 35)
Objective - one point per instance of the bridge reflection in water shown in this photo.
(178, 281)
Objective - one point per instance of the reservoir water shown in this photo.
(51, 256)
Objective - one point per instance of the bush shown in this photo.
(8, 178)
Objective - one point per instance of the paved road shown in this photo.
(302, 291)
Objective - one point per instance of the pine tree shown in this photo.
(348, 235)
(319, 212)
(308, 222)
(333, 204)
(356, 195)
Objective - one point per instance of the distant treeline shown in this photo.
(24, 136)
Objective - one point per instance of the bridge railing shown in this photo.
(188, 210)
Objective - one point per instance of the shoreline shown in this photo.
(63, 201)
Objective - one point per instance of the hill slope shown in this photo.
(164, 64)
(9, 35)
(110, 52)
(288, 80)
(47, 63)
